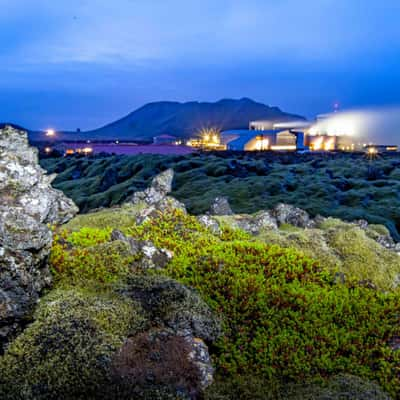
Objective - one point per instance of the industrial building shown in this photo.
(262, 135)
(257, 140)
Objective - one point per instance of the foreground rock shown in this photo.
(221, 206)
(145, 341)
(28, 206)
(155, 198)
(151, 257)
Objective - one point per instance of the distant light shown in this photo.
(117, 141)
(372, 150)
(50, 132)
(87, 150)
(47, 149)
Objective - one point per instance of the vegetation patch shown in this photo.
(345, 186)
(283, 312)
(67, 351)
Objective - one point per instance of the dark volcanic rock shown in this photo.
(28, 206)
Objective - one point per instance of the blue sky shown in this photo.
(83, 63)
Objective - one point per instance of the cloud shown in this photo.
(142, 31)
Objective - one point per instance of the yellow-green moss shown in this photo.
(343, 247)
(363, 258)
(103, 263)
(115, 218)
(66, 352)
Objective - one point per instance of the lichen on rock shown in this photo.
(28, 206)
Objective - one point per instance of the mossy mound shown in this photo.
(119, 217)
(283, 314)
(343, 247)
(87, 255)
(66, 352)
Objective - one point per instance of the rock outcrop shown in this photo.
(151, 256)
(155, 198)
(288, 214)
(28, 207)
(221, 206)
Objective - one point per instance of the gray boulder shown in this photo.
(210, 223)
(288, 214)
(155, 198)
(28, 207)
(221, 206)
(160, 186)
(151, 257)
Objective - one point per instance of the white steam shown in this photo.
(378, 126)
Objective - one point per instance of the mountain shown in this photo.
(182, 119)
(185, 119)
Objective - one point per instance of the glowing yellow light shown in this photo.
(262, 144)
(318, 143)
(47, 149)
(50, 132)
(287, 148)
(87, 150)
(329, 144)
(372, 150)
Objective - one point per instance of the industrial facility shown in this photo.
(263, 135)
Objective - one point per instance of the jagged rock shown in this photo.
(160, 186)
(152, 256)
(362, 223)
(264, 220)
(200, 356)
(221, 206)
(210, 223)
(28, 205)
(288, 214)
(155, 198)
(253, 224)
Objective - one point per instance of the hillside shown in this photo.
(181, 119)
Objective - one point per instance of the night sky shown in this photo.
(84, 63)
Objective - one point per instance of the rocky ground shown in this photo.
(143, 301)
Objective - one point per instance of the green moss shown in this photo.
(363, 258)
(339, 387)
(283, 315)
(104, 263)
(115, 218)
(340, 246)
(66, 352)
(281, 311)
(374, 231)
